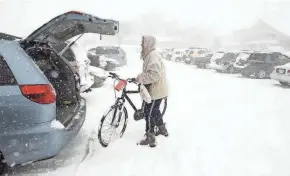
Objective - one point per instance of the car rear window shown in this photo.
(6, 75)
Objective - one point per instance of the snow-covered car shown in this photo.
(241, 61)
(102, 61)
(115, 56)
(261, 64)
(202, 62)
(215, 56)
(177, 55)
(167, 53)
(282, 74)
(225, 63)
(193, 53)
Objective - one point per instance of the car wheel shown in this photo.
(261, 74)
(2, 164)
(231, 69)
(284, 83)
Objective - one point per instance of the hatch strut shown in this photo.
(69, 45)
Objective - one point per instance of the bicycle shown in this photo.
(118, 109)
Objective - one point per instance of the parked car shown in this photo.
(261, 64)
(115, 56)
(40, 103)
(167, 53)
(215, 56)
(202, 62)
(282, 74)
(197, 54)
(225, 63)
(241, 60)
(177, 56)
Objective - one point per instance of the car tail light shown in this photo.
(76, 12)
(42, 94)
(288, 71)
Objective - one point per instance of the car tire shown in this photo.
(284, 83)
(231, 69)
(2, 164)
(261, 74)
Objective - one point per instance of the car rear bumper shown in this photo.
(42, 141)
(280, 77)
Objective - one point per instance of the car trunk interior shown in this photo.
(61, 76)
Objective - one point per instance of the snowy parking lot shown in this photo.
(219, 125)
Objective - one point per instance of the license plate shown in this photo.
(281, 71)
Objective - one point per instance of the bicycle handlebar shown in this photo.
(115, 76)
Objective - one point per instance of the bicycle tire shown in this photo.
(101, 140)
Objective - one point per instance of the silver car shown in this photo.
(40, 103)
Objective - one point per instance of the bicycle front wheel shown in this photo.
(113, 125)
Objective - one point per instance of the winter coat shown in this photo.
(153, 75)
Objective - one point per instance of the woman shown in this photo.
(153, 78)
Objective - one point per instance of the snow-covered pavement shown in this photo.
(219, 124)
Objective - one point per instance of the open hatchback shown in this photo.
(46, 110)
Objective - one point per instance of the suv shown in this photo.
(40, 103)
(261, 64)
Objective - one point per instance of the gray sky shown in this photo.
(224, 16)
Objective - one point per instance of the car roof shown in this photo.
(21, 64)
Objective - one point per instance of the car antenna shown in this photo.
(69, 45)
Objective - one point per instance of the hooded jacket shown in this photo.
(153, 75)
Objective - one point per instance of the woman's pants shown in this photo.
(153, 115)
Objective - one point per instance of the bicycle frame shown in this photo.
(119, 104)
(125, 96)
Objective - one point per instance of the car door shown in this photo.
(71, 24)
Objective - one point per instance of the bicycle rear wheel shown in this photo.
(113, 124)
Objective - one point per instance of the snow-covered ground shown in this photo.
(219, 124)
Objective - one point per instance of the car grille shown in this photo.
(280, 70)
